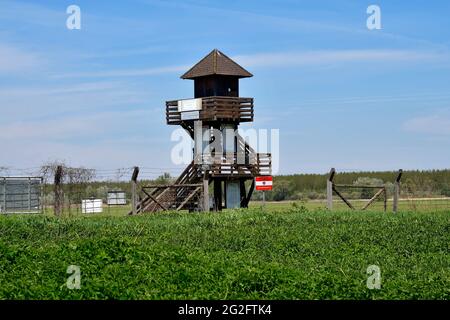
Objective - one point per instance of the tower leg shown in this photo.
(218, 195)
(243, 193)
(205, 193)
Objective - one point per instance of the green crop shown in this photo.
(242, 254)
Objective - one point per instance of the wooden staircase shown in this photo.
(186, 192)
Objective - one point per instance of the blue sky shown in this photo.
(341, 95)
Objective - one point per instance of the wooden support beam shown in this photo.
(139, 206)
(329, 195)
(193, 193)
(243, 193)
(376, 195)
(343, 199)
(396, 197)
(249, 195)
(332, 173)
(357, 186)
(330, 186)
(399, 175)
(146, 203)
(171, 185)
(155, 200)
(59, 196)
(218, 195)
(397, 191)
(206, 191)
(134, 201)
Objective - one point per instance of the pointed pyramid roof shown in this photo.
(216, 63)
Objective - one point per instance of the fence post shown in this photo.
(330, 189)
(58, 202)
(206, 191)
(397, 191)
(134, 190)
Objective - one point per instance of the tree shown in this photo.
(282, 190)
(165, 178)
(367, 193)
(75, 178)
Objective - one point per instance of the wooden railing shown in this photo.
(233, 164)
(215, 109)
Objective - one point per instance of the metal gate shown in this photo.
(21, 194)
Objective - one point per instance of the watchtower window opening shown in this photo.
(216, 85)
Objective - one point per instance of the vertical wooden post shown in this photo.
(242, 191)
(330, 189)
(206, 191)
(134, 190)
(385, 199)
(264, 199)
(59, 197)
(397, 191)
(218, 195)
(396, 196)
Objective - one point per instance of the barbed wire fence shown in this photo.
(67, 190)
(405, 192)
(90, 190)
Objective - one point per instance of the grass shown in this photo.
(405, 205)
(245, 254)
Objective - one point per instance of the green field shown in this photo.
(405, 205)
(294, 253)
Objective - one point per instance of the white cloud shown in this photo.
(438, 124)
(123, 72)
(13, 59)
(44, 101)
(325, 57)
(84, 87)
(280, 59)
(81, 127)
(109, 154)
(32, 14)
(102, 140)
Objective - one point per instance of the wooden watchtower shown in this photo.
(229, 161)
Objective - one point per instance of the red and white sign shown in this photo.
(263, 183)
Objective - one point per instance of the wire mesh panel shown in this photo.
(371, 198)
(116, 198)
(21, 194)
(428, 196)
(421, 191)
